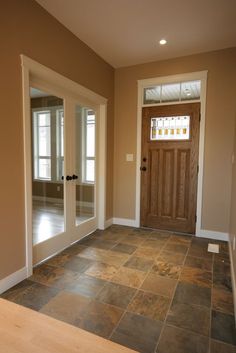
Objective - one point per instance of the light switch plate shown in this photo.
(129, 157)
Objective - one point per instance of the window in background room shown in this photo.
(42, 145)
(89, 160)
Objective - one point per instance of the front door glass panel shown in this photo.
(170, 128)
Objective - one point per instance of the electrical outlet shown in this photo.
(58, 188)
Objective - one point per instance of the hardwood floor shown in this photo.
(23, 331)
(48, 219)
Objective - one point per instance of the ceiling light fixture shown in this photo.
(163, 41)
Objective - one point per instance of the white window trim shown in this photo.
(202, 76)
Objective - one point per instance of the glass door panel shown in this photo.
(85, 164)
(47, 113)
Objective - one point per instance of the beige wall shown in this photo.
(25, 28)
(220, 112)
(233, 213)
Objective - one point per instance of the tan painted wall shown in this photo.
(233, 212)
(26, 28)
(220, 112)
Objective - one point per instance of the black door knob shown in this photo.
(68, 177)
(62, 178)
(74, 176)
(143, 168)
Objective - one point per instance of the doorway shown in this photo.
(65, 161)
(169, 170)
(63, 170)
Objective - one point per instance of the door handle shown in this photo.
(143, 169)
(68, 177)
(74, 176)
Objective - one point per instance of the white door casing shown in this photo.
(37, 75)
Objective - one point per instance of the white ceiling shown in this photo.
(127, 32)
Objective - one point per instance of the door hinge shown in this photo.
(197, 169)
(195, 218)
(199, 116)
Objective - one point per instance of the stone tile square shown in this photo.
(197, 262)
(102, 271)
(116, 294)
(139, 263)
(222, 300)
(78, 264)
(171, 257)
(160, 235)
(137, 332)
(133, 240)
(99, 318)
(176, 340)
(157, 244)
(60, 259)
(188, 293)
(93, 253)
(53, 276)
(167, 269)
(223, 327)
(220, 266)
(181, 239)
(12, 293)
(147, 252)
(222, 281)
(86, 285)
(190, 317)
(33, 296)
(220, 347)
(198, 248)
(129, 277)
(159, 285)
(196, 276)
(140, 232)
(66, 306)
(177, 248)
(125, 248)
(150, 305)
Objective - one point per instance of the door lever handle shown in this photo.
(143, 169)
(68, 177)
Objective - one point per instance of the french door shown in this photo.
(64, 177)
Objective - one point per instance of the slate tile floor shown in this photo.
(155, 292)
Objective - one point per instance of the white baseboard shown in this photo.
(125, 222)
(108, 223)
(233, 278)
(13, 279)
(211, 234)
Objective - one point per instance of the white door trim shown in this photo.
(202, 76)
(33, 72)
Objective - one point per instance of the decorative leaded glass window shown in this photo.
(170, 128)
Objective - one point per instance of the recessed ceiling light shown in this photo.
(163, 41)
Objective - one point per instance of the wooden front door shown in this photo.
(170, 138)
